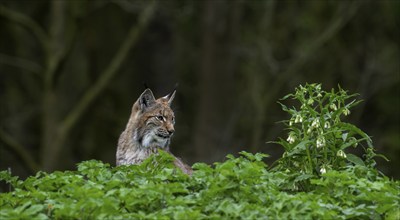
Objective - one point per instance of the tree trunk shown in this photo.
(205, 126)
(51, 146)
(216, 81)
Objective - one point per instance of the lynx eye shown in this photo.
(160, 117)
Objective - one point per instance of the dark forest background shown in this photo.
(71, 70)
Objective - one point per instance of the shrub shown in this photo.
(318, 138)
(240, 187)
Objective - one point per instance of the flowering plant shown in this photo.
(317, 137)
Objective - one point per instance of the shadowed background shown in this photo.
(71, 70)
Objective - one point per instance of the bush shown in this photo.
(239, 188)
(318, 138)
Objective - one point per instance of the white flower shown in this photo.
(310, 101)
(292, 138)
(333, 106)
(320, 142)
(298, 119)
(340, 153)
(322, 170)
(315, 123)
(309, 130)
(319, 95)
(327, 125)
(290, 123)
(346, 111)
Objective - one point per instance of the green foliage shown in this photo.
(318, 138)
(315, 179)
(238, 188)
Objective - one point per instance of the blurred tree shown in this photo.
(69, 76)
(55, 127)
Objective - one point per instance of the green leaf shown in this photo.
(299, 148)
(303, 177)
(6, 176)
(351, 143)
(254, 157)
(357, 131)
(287, 96)
(354, 159)
(32, 210)
(382, 156)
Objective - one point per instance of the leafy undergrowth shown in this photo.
(316, 178)
(239, 188)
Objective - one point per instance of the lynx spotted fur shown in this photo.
(150, 127)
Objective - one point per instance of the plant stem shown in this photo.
(309, 158)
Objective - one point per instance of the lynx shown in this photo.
(150, 127)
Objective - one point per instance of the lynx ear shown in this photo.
(170, 97)
(146, 99)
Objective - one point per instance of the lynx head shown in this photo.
(153, 120)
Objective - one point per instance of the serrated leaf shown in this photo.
(253, 157)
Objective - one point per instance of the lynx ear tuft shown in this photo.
(146, 99)
(145, 85)
(170, 97)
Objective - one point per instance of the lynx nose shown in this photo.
(171, 131)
